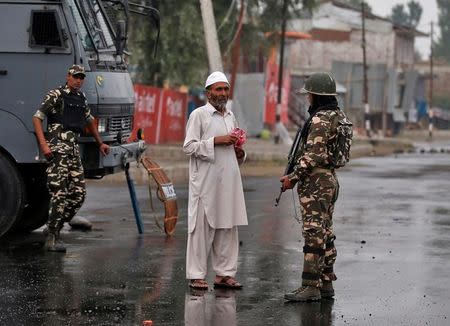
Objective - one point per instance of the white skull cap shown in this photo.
(216, 77)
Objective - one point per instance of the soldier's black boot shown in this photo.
(327, 290)
(54, 243)
(304, 293)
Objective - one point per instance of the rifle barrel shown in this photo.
(277, 200)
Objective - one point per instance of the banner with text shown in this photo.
(160, 113)
(272, 94)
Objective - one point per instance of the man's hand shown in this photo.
(286, 183)
(37, 123)
(47, 152)
(104, 148)
(240, 153)
(225, 140)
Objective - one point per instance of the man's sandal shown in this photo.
(198, 284)
(228, 282)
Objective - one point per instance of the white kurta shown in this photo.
(214, 175)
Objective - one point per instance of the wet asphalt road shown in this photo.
(392, 222)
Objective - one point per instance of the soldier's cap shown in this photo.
(76, 70)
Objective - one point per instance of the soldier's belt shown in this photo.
(322, 170)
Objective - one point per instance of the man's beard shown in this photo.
(219, 102)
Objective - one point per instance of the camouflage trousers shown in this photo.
(318, 193)
(66, 184)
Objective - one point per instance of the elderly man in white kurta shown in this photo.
(216, 197)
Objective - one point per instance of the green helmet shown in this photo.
(320, 84)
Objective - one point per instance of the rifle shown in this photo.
(291, 160)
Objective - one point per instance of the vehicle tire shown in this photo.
(35, 212)
(12, 194)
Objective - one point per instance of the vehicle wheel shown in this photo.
(35, 213)
(12, 194)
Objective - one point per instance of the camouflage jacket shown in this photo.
(58, 139)
(314, 151)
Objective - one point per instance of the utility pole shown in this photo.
(430, 95)
(384, 113)
(366, 89)
(236, 49)
(212, 42)
(278, 123)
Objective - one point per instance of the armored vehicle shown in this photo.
(39, 40)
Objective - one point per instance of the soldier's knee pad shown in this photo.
(316, 250)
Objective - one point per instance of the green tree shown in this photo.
(182, 57)
(408, 17)
(398, 15)
(181, 54)
(266, 17)
(415, 13)
(357, 4)
(442, 46)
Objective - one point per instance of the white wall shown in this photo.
(310, 54)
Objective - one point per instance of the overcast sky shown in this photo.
(429, 14)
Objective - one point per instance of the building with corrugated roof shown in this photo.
(336, 28)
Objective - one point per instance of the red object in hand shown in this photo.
(241, 135)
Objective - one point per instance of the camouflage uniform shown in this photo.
(318, 190)
(65, 175)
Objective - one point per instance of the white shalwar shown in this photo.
(216, 197)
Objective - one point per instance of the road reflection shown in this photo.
(318, 313)
(203, 308)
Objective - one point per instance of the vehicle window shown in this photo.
(102, 22)
(81, 27)
(45, 29)
(92, 24)
(26, 27)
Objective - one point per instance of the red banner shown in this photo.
(272, 94)
(146, 105)
(160, 113)
(172, 117)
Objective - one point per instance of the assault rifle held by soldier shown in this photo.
(292, 162)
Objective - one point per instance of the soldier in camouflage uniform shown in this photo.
(67, 113)
(325, 146)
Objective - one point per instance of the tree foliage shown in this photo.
(408, 16)
(357, 4)
(442, 46)
(181, 52)
(182, 56)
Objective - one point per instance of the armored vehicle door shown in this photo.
(35, 52)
